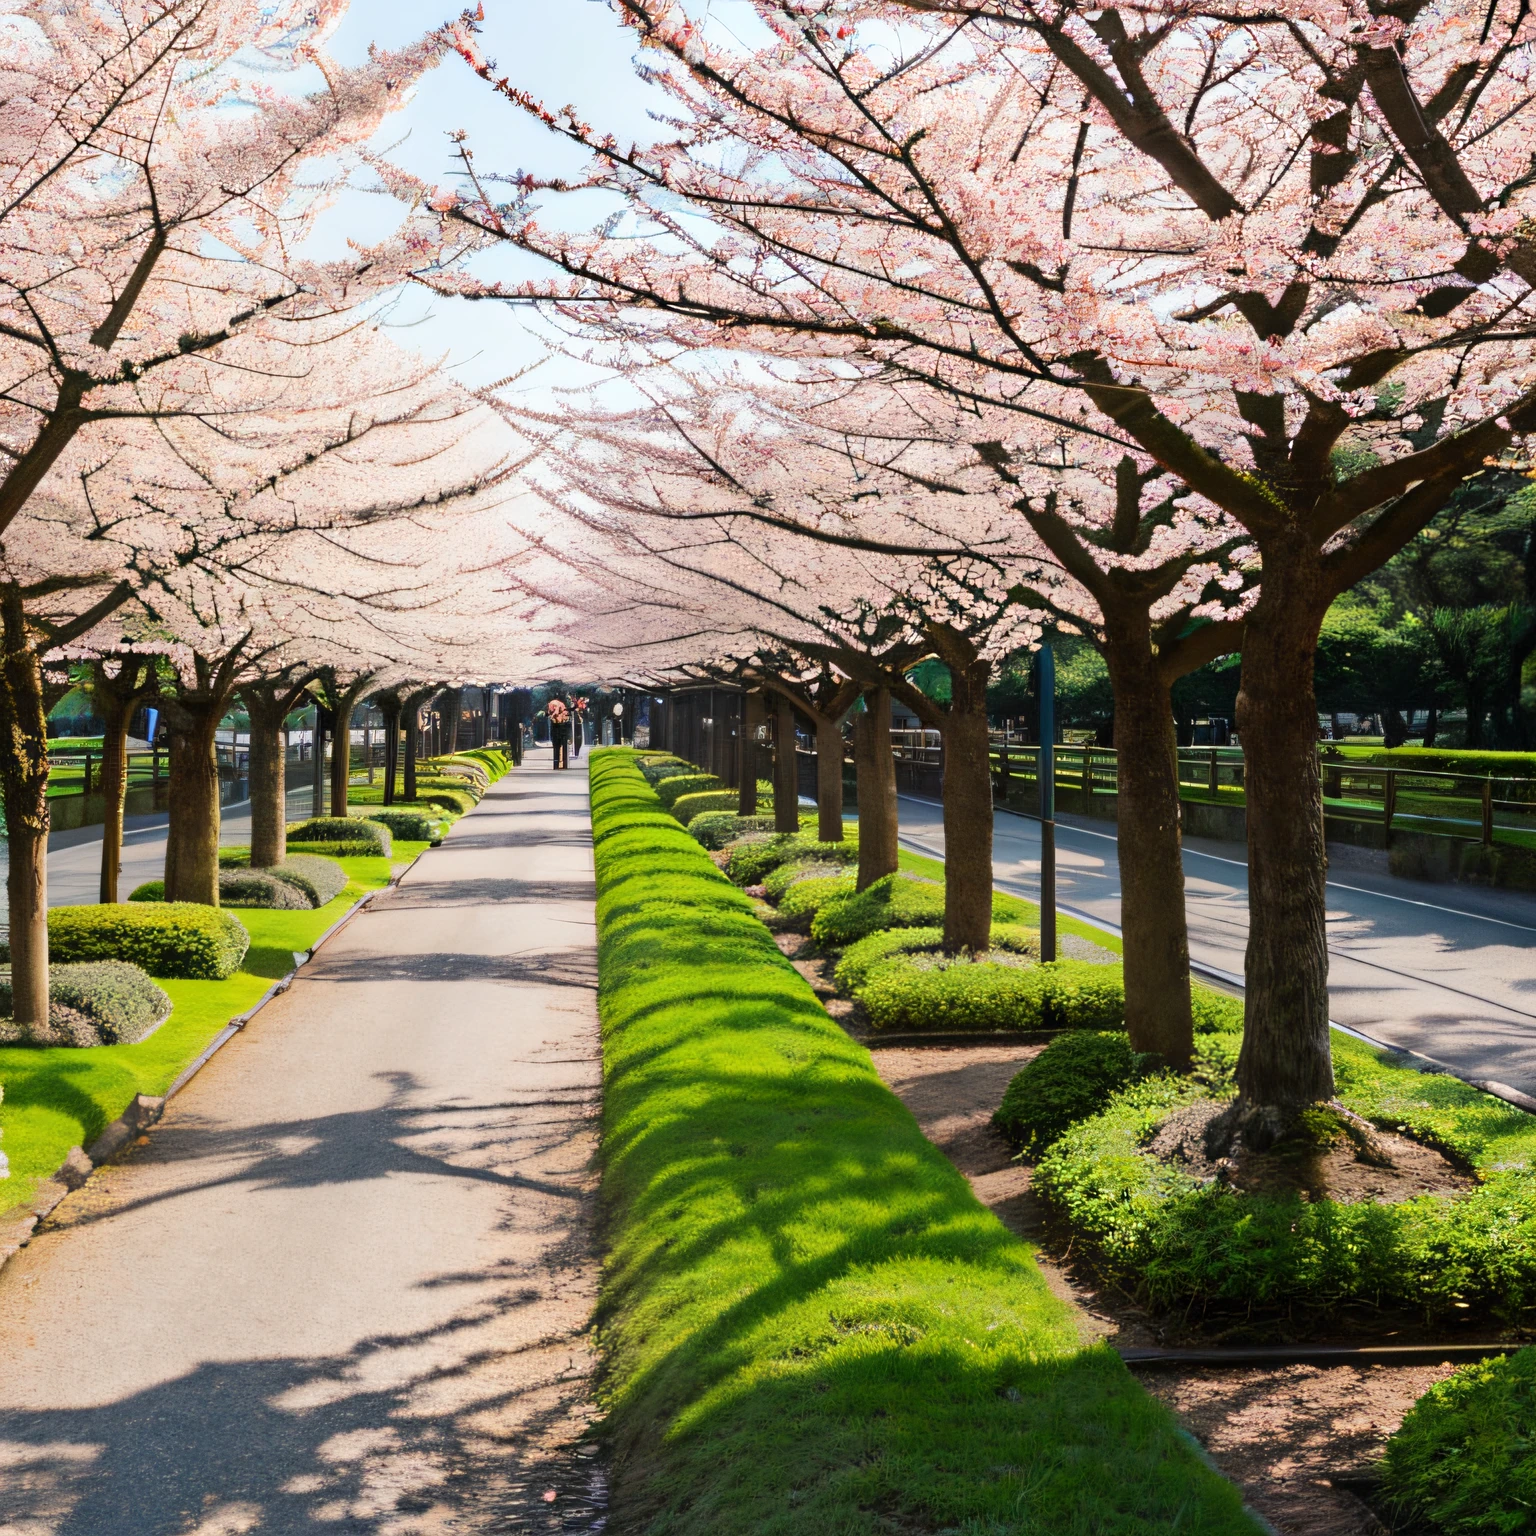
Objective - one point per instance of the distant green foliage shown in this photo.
(858, 960)
(342, 829)
(1072, 1078)
(811, 1324)
(897, 901)
(413, 826)
(178, 938)
(670, 790)
(1464, 1460)
(98, 1002)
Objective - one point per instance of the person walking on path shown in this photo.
(347, 1283)
(578, 726)
(560, 732)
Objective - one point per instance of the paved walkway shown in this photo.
(346, 1284)
(1448, 970)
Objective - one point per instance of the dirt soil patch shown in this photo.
(1281, 1433)
(1330, 1170)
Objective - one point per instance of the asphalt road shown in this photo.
(1446, 970)
(346, 1283)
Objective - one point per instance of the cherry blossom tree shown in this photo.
(1278, 255)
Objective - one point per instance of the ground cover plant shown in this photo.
(404, 821)
(1065, 1083)
(1461, 1462)
(178, 938)
(714, 829)
(810, 1322)
(57, 1098)
(672, 788)
(356, 835)
(896, 901)
(856, 962)
(1181, 1241)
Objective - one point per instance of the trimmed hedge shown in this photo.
(714, 829)
(413, 826)
(177, 938)
(98, 1002)
(918, 992)
(670, 790)
(1463, 1461)
(321, 880)
(779, 883)
(712, 801)
(897, 901)
(456, 802)
(260, 888)
(858, 960)
(342, 829)
(1069, 1080)
(810, 1323)
(755, 857)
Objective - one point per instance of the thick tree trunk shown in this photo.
(24, 781)
(391, 713)
(875, 765)
(192, 842)
(269, 786)
(453, 708)
(967, 813)
(786, 772)
(1431, 725)
(753, 716)
(341, 755)
(1156, 938)
(1285, 1062)
(829, 780)
(412, 732)
(116, 714)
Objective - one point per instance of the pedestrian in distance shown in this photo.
(560, 732)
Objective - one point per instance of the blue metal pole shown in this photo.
(1046, 682)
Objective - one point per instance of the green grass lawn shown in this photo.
(58, 1098)
(810, 1323)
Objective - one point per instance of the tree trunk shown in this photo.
(453, 708)
(753, 716)
(341, 754)
(192, 842)
(1156, 938)
(24, 780)
(1394, 727)
(967, 813)
(1431, 725)
(269, 785)
(786, 773)
(829, 780)
(1286, 1062)
(391, 749)
(875, 765)
(412, 732)
(116, 715)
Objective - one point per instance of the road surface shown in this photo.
(1446, 970)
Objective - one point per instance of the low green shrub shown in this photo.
(151, 890)
(670, 790)
(755, 857)
(810, 1323)
(413, 826)
(805, 898)
(714, 829)
(655, 768)
(925, 992)
(342, 829)
(260, 888)
(321, 880)
(856, 962)
(456, 802)
(1464, 1460)
(710, 801)
(177, 938)
(778, 882)
(1072, 1078)
(465, 791)
(97, 1002)
(897, 901)
(495, 762)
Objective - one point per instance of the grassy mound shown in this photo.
(811, 1324)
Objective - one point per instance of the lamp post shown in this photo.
(1046, 682)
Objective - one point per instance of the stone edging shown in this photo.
(145, 1110)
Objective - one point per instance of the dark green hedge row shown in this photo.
(341, 829)
(811, 1325)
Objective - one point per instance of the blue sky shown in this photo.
(564, 51)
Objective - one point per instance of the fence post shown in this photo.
(1488, 812)
(1389, 801)
(1213, 779)
(1004, 769)
(87, 784)
(154, 770)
